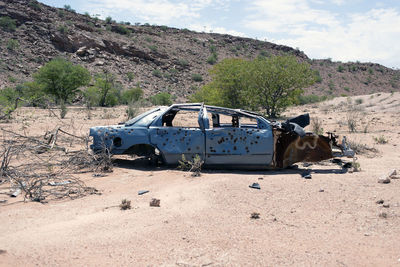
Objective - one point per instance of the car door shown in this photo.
(175, 141)
(240, 145)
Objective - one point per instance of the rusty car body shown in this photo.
(220, 136)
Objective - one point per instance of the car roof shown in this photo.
(215, 109)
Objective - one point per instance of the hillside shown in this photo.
(161, 59)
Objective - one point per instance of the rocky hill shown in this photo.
(158, 58)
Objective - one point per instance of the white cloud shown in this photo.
(278, 16)
(155, 11)
(370, 36)
(338, 2)
(214, 29)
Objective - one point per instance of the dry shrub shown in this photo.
(316, 125)
(125, 204)
(353, 116)
(193, 166)
(381, 140)
(255, 215)
(42, 170)
(351, 122)
(356, 165)
(360, 148)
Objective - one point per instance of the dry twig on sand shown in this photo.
(43, 170)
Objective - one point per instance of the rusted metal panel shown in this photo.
(291, 148)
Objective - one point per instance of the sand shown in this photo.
(331, 220)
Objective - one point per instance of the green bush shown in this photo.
(121, 30)
(8, 102)
(105, 92)
(212, 59)
(318, 77)
(153, 48)
(68, 8)
(130, 76)
(331, 85)
(213, 49)
(157, 73)
(161, 99)
(63, 29)
(263, 53)
(61, 13)
(173, 71)
(35, 5)
(197, 77)
(308, 99)
(91, 96)
(108, 20)
(131, 95)
(61, 79)
(340, 68)
(133, 109)
(183, 62)
(270, 84)
(34, 94)
(12, 44)
(7, 24)
(12, 79)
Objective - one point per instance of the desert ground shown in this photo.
(332, 219)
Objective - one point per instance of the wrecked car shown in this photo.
(220, 136)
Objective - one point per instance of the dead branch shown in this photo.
(42, 171)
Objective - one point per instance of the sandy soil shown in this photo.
(332, 219)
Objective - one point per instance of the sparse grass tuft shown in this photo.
(197, 77)
(193, 166)
(360, 148)
(356, 165)
(12, 44)
(7, 24)
(381, 140)
(316, 125)
(157, 73)
(125, 204)
(351, 123)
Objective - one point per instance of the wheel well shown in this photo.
(142, 150)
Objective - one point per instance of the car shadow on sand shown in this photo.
(144, 164)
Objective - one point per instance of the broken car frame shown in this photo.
(245, 139)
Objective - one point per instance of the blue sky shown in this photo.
(357, 30)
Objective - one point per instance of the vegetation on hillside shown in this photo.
(267, 83)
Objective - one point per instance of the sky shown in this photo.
(356, 30)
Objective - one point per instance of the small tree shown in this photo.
(132, 95)
(227, 87)
(8, 102)
(268, 83)
(62, 79)
(276, 82)
(161, 99)
(105, 91)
